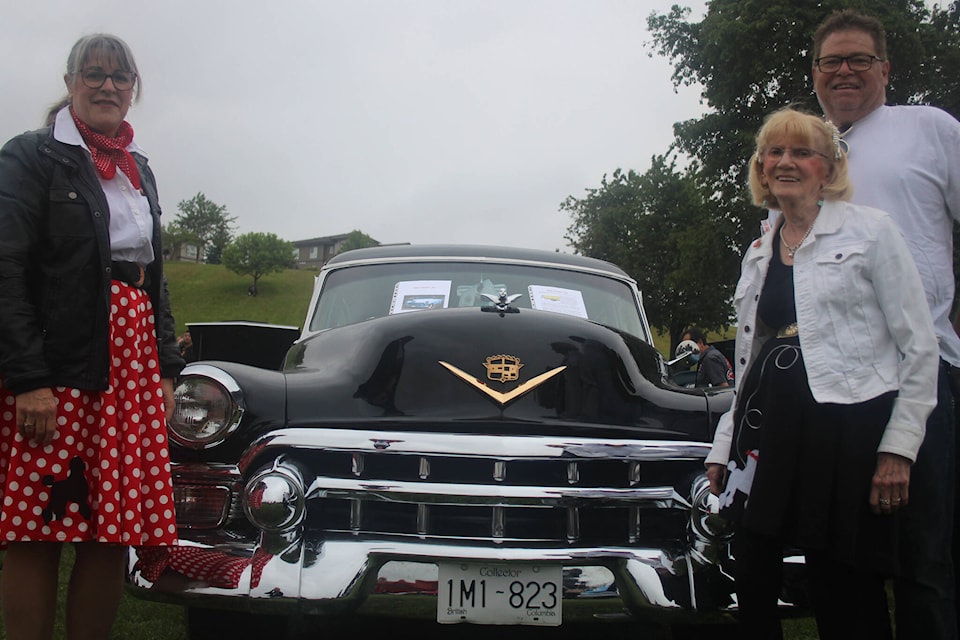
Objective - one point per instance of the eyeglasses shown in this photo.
(859, 62)
(94, 79)
(797, 153)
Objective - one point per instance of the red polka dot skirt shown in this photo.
(105, 477)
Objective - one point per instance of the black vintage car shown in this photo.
(490, 429)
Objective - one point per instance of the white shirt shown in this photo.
(131, 225)
(864, 327)
(906, 160)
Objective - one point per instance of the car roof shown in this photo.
(435, 251)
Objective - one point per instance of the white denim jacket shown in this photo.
(864, 325)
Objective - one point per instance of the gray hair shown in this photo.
(108, 45)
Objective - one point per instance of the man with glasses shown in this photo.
(906, 160)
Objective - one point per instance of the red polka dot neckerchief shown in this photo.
(110, 153)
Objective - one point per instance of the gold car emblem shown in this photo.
(501, 368)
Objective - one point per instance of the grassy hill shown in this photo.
(209, 292)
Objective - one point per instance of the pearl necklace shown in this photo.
(791, 250)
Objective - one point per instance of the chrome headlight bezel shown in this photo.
(274, 498)
(203, 390)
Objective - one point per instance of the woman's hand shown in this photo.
(37, 415)
(168, 402)
(717, 475)
(890, 489)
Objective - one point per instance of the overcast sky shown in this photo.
(410, 120)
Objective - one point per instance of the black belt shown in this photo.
(133, 273)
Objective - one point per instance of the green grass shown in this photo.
(207, 293)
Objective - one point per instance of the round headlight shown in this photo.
(208, 407)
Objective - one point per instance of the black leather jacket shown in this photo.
(55, 268)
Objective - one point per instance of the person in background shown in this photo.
(88, 353)
(187, 351)
(713, 368)
(906, 160)
(836, 364)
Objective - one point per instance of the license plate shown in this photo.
(500, 593)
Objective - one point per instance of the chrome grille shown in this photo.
(510, 490)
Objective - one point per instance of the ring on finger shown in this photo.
(884, 501)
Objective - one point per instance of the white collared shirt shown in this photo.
(906, 160)
(131, 225)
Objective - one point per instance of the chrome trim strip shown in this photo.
(356, 464)
(486, 495)
(497, 523)
(423, 519)
(207, 472)
(473, 446)
(634, 527)
(356, 514)
(559, 266)
(573, 525)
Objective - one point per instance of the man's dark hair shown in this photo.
(850, 20)
(696, 335)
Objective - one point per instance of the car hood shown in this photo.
(533, 369)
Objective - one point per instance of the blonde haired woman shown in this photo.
(836, 358)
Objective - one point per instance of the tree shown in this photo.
(219, 240)
(208, 222)
(256, 255)
(357, 240)
(943, 38)
(661, 228)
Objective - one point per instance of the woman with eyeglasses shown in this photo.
(88, 352)
(837, 356)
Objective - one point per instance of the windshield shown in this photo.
(358, 293)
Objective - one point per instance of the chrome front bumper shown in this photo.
(344, 576)
(263, 552)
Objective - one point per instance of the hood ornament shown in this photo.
(501, 302)
(501, 368)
